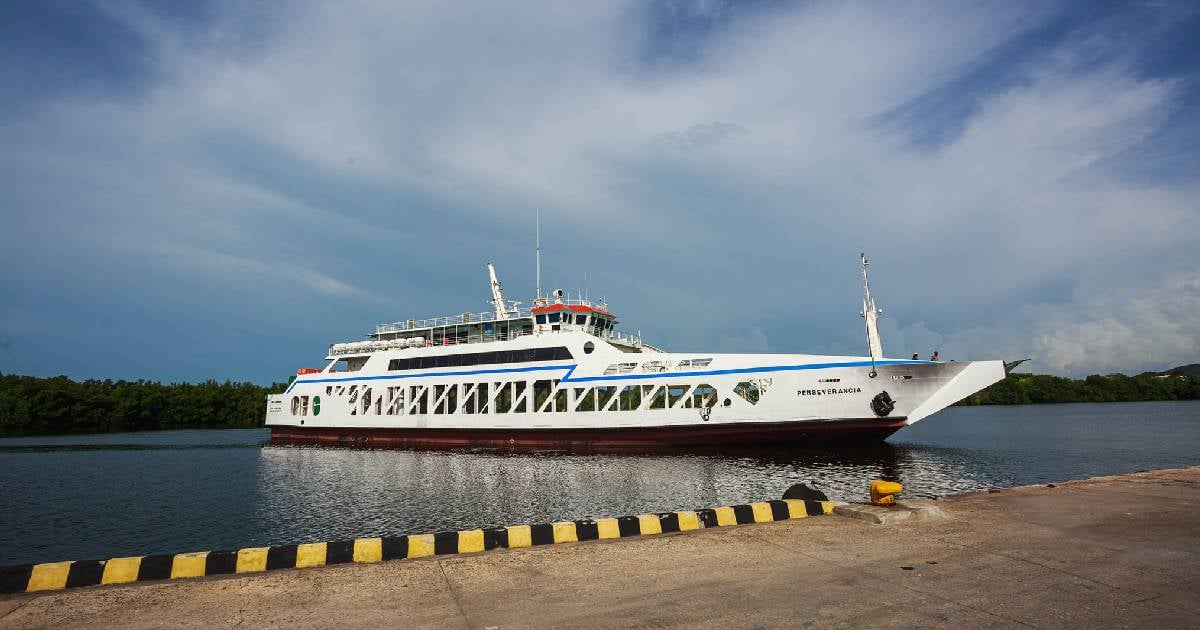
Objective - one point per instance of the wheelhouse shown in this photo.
(578, 315)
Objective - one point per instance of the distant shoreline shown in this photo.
(1043, 389)
(31, 406)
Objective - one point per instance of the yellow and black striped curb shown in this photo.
(57, 575)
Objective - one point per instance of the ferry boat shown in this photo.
(559, 375)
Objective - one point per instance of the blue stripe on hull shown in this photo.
(754, 370)
(618, 377)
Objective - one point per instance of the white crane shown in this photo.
(504, 308)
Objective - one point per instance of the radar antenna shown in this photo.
(871, 315)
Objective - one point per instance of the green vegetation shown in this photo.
(45, 406)
(1191, 371)
(1021, 389)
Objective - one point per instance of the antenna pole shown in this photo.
(537, 231)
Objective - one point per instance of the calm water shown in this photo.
(80, 497)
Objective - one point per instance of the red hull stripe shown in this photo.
(799, 432)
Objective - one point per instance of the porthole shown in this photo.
(588, 347)
(727, 402)
(316, 405)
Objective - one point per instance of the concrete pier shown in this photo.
(1118, 551)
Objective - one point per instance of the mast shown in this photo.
(537, 231)
(870, 314)
(497, 294)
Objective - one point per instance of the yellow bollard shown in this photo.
(884, 492)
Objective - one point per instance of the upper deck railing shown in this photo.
(450, 320)
(570, 302)
(366, 347)
(476, 318)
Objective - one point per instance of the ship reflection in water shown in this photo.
(94, 496)
(335, 493)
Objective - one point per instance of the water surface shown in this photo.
(95, 496)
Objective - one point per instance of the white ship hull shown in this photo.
(612, 396)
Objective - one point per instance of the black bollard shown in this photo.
(805, 493)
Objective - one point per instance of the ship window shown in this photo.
(631, 398)
(585, 399)
(522, 400)
(541, 319)
(675, 393)
(604, 395)
(559, 353)
(703, 396)
(588, 347)
(694, 363)
(658, 397)
(749, 390)
(620, 368)
(554, 317)
(541, 394)
(581, 319)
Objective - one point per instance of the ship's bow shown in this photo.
(959, 380)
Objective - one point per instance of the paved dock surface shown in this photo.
(1106, 552)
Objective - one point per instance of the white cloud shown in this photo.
(1100, 329)
(390, 148)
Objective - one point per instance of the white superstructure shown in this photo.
(559, 374)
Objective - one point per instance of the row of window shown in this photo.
(594, 324)
(542, 396)
(574, 318)
(482, 358)
(526, 397)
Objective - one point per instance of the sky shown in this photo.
(200, 190)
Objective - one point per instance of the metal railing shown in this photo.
(570, 302)
(365, 347)
(475, 318)
(449, 320)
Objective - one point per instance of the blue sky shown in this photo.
(220, 189)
